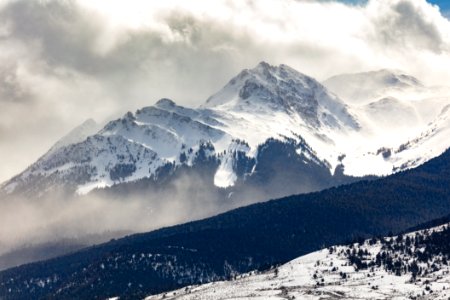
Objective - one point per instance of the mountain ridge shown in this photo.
(259, 104)
(168, 133)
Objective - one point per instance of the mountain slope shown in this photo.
(253, 237)
(411, 266)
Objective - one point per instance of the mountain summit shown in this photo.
(269, 89)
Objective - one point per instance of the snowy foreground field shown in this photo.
(329, 274)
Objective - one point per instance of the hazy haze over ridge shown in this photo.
(62, 62)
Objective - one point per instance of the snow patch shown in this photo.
(225, 176)
(86, 188)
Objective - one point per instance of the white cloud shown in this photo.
(64, 61)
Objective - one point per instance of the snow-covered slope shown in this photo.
(234, 126)
(412, 266)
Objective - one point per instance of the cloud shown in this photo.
(62, 62)
(410, 25)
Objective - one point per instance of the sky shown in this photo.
(444, 5)
(64, 61)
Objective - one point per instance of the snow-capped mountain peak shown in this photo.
(78, 134)
(270, 89)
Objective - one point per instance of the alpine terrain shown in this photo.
(270, 132)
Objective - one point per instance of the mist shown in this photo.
(62, 218)
(25, 222)
(99, 216)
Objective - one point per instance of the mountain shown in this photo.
(390, 97)
(271, 130)
(242, 240)
(77, 135)
(262, 115)
(409, 266)
(393, 109)
(269, 90)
